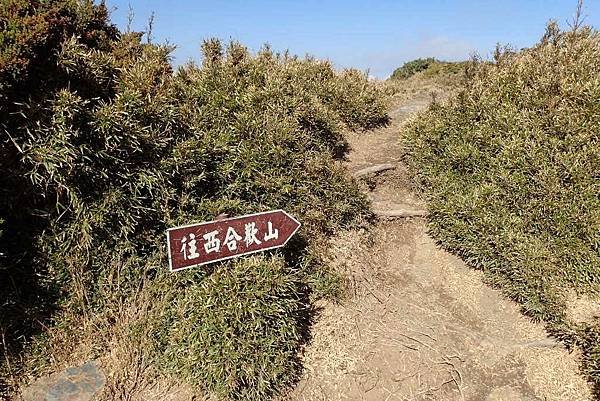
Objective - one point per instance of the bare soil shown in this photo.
(419, 324)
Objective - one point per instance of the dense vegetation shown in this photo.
(412, 67)
(104, 146)
(511, 168)
(428, 68)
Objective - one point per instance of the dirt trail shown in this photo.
(421, 325)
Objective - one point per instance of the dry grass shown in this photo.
(418, 325)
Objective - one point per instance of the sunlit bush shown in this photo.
(105, 146)
(511, 169)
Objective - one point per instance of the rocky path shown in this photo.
(419, 324)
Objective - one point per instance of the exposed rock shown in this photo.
(373, 169)
(73, 384)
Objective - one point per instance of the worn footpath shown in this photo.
(419, 324)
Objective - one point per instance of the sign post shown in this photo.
(214, 241)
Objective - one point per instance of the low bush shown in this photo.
(105, 147)
(510, 167)
(412, 67)
(237, 332)
(446, 68)
(429, 68)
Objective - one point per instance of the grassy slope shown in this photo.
(511, 170)
(439, 78)
(428, 68)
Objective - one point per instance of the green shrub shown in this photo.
(238, 331)
(447, 68)
(429, 68)
(510, 167)
(412, 67)
(31, 33)
(108, 147)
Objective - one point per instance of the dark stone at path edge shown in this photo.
(73, 384)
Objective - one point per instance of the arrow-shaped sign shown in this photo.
(213, 241)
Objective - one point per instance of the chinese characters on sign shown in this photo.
(203, 243)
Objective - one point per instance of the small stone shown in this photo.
(73, 384)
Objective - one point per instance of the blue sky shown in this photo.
(370, 35)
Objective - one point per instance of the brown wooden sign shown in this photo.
(213, 241)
